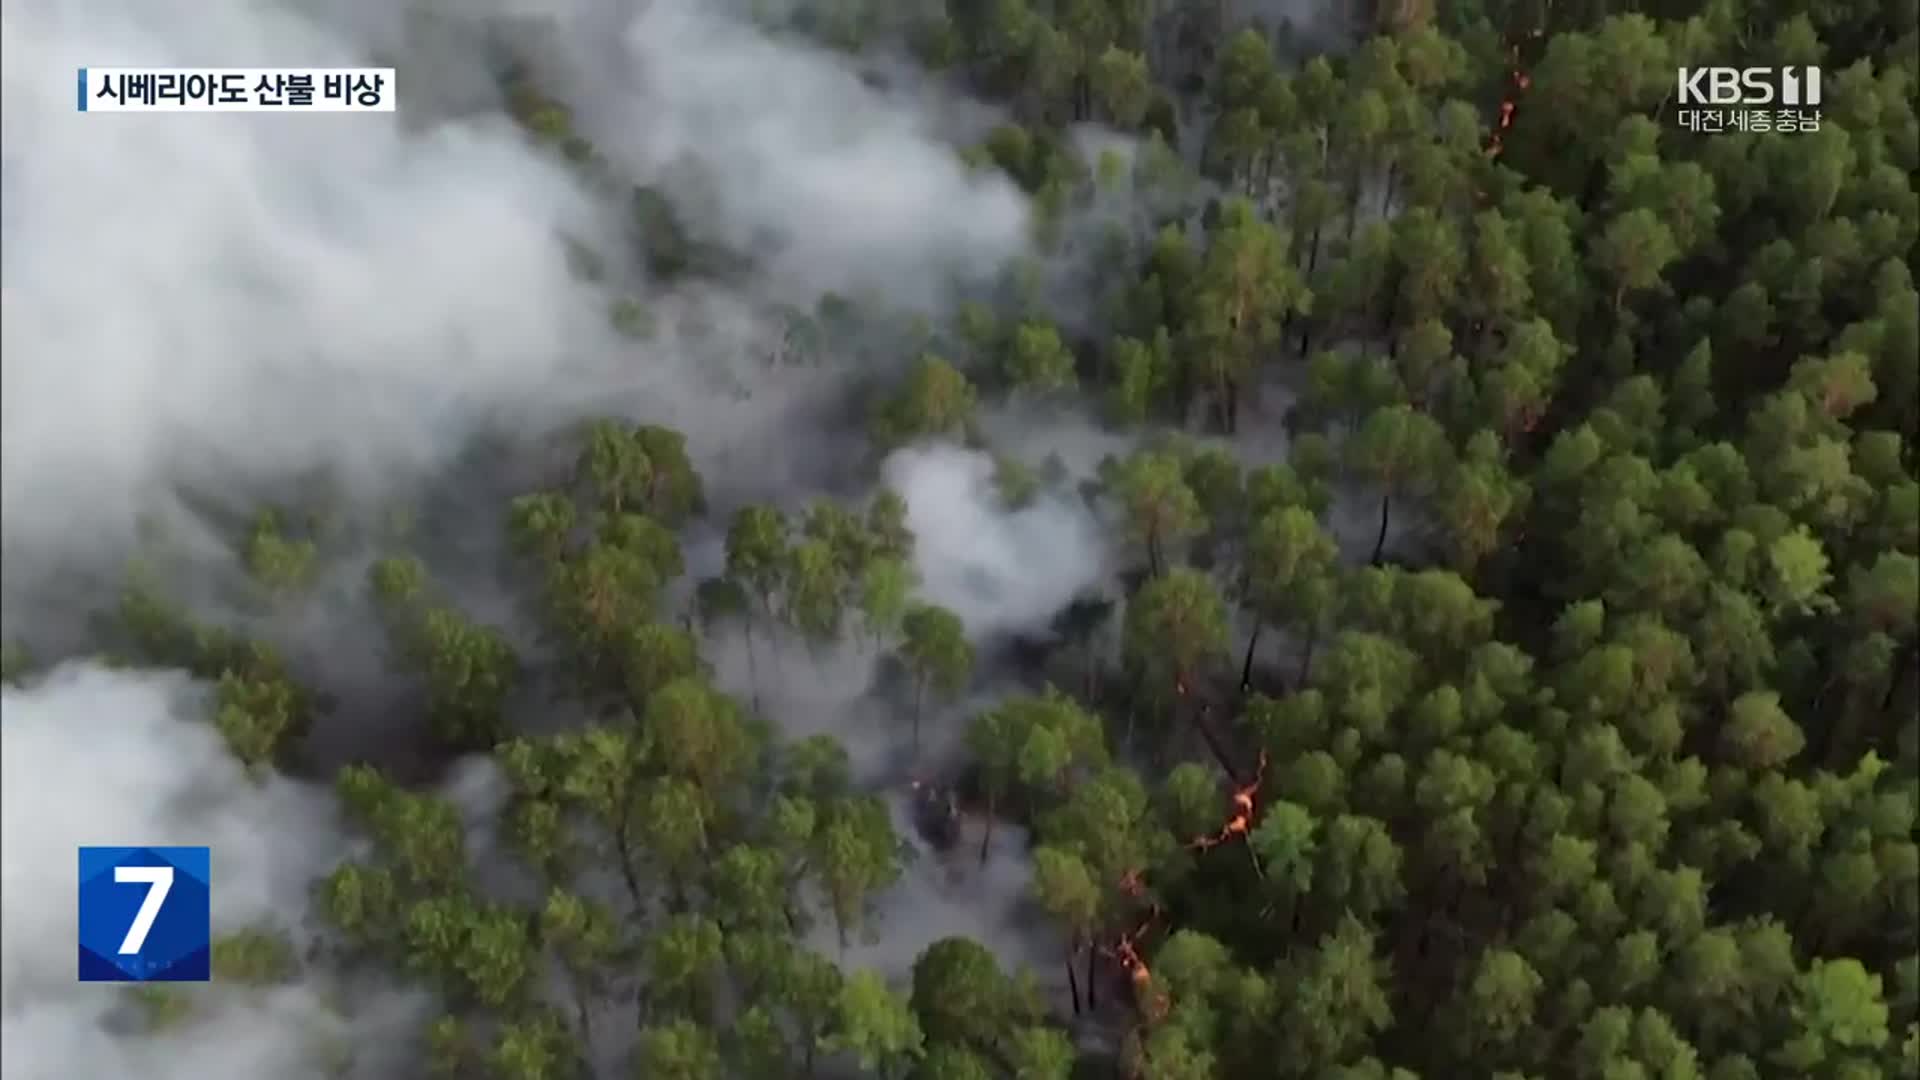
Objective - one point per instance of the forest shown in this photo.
(1506, 662)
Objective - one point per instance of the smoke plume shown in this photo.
(999, 570)
(227, 303)
(242, 296)
(90, 756)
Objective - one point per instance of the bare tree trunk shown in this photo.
(1899, 675)
(627, 871)
(1246, 666)
(1073, 979)
(1092, 996)
(1214, 746)
(1380, 542)
(986, 834)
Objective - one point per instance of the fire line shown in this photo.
(1125, 950)
(1519, 83)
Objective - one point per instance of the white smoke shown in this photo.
(954, 894)
(250, 294)
(259, 292)
(91, 756)
(229, 300)
(999, 571)
(853, 190)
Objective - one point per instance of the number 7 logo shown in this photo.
(159, 882)
(159, 933)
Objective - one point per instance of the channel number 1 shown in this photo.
(159, 881)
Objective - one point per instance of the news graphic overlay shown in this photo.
(332, 90)
(145, 914)
(1754, 99)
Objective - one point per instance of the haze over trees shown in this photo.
(1593, 751)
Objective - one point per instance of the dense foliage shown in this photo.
(1603, 766)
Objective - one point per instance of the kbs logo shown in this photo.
(1785, 86)
(144, 914)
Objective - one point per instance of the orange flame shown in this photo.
(1240, 820)
(1126, 951)
(1522, 82)
(1129, 956)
